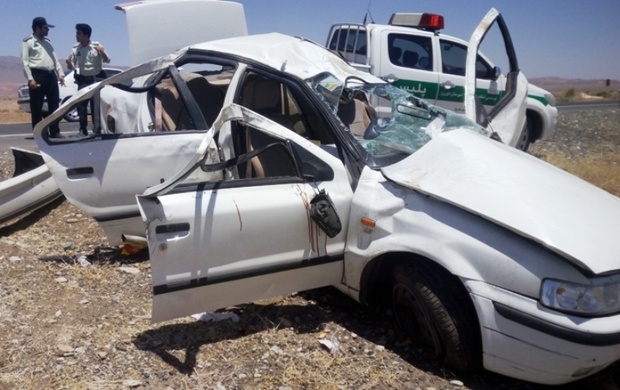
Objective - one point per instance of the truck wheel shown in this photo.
(438, 316)
(523, 143)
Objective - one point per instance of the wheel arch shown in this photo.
(534, 123)
(376, 277)
(378, 280)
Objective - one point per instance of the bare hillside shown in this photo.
(11, 70)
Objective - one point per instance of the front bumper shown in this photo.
(24, 104)
(550, 122)
(524, 340)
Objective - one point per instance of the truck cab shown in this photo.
(411, 53)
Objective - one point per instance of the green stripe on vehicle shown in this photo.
(431, 91)
(540, 99)
(421, 89)
(457, 94)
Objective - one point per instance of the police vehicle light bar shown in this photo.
(430, 22)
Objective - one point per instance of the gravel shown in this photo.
(75, 314)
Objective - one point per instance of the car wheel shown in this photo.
(433, 309)
(523, 143)
(71, 116)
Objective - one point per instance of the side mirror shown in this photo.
(323, 212)
(496, 73)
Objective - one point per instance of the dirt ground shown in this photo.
(10, 113)
(75, 314)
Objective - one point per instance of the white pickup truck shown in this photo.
(410, 53)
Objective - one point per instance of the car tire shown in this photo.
(523, 143)
(71, 116)
(435, 311)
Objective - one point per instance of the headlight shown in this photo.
(550, 99)
(586, 300)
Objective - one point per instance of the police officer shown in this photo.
(43, 71)
(87, 58)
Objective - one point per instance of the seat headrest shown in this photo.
(261, 94)
(410, 58)
(395, 53)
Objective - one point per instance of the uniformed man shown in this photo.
(43, 72)
(87, 58)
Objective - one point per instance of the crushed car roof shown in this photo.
(294, 55)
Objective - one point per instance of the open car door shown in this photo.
(507, 118)
(101, 174)
(277, 230)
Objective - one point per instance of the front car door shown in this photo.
(507, 117)
(451, 95)
(252, 235)
(407, 62)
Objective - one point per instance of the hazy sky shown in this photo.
(564, 38)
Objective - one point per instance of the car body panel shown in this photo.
(298, 57)
(208, 272)
(541, 104)
(154, 27)
(535, 355)
(456, 165)
(507, 117)
(425, 84)
(31, 187)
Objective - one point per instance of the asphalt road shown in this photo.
(593, 105)
(20, 135)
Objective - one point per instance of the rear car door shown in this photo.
(251, 235)
(102, 174)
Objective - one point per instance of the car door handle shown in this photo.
(391, 78)
(78, 173)
(172, 228)
(447, 84)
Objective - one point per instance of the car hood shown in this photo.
(519, 192)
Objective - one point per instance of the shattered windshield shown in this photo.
(388, 123)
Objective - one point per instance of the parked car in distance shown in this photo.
(65, 92)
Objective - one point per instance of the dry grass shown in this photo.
(601, 170)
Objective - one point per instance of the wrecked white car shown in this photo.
(266, 165)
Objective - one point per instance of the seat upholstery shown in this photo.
(170, 112)
(425, 63)
(410, 59)
(264, 96)
(395, 53)
(354, 115)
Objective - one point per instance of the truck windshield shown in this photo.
(387, 122)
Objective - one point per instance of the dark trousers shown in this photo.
(82, 82)
(48, 88)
